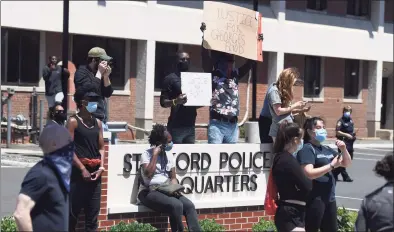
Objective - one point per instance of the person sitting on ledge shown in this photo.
(158, 169)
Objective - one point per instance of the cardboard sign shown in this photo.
(197, 87)
(233, 30)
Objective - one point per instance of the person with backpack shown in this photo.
(318, 162)
(290, 181)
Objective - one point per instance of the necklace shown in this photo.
(89, 127)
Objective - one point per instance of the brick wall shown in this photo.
(232, 218)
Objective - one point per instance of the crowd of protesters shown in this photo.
(304, 170)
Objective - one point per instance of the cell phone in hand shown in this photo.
(339, 155)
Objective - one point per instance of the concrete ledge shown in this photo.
(384, 134)
(16, 164)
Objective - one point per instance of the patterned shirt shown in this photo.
(225, 96)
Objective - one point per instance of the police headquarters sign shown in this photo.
(214, 176)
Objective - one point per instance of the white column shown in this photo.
(375, 75)
(145, 85)
(377, 15)
(275, 65)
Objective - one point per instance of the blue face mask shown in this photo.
(91, 107)
(169, 146)
(321, 135)
(61, 161)
(346, 114)
(300, 146)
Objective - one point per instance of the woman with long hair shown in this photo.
(318, 162)
(280, 96)
(376, 213)
(292, 184)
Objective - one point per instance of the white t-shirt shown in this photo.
(160, 175)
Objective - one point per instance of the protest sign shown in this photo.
(233, 30)
(197, 87)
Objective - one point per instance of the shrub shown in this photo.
(133, 227)
(242, 132)
(8, 224)
(210, 225)
(346, 219)
(264, 226)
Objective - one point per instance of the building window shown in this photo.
(312, 76)
(352, 79)
(358, 7)
(164, 61)
(319, 5)
(20, 55)
(114, 47)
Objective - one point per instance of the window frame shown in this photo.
(5, 54)
(358, 98)
(320, 96)
(354, 8)
(322, 8)
(157, 85)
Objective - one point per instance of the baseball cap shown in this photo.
(54, 137)
(98, 52)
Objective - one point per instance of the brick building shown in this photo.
(344, 50)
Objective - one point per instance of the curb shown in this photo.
(372, 145)
(16, 164)
(20, 151)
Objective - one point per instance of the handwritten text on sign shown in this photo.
(197, 87)
(231, 29)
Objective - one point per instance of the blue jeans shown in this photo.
(183, 135)
(222, 132)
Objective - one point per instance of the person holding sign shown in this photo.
(224, 110)
(182, 120)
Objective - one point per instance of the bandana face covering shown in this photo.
(61, 161)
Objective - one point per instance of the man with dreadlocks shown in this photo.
(158, 168)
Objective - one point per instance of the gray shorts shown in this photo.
(274, 128)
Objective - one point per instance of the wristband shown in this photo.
(101, 168)
(173, 102)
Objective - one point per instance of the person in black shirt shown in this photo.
(345, 132)
(318, 162)
(57, 115)
(96, 73)
(42, 204)
(292, 184)
(88, 159)
(52, 75)
(376, 213)
(182, 120)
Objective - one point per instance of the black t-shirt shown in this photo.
(44, 187)
(181, 116)
(291, 182)
(319, 156)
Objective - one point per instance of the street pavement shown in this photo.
(348, 195)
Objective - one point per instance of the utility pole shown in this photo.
(66, 4)
(254, 75)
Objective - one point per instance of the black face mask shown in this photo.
(60, 118)
(183, 66)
